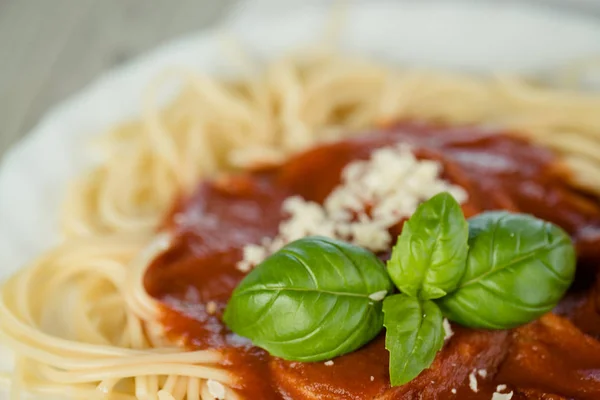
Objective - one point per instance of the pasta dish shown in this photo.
(271, 238)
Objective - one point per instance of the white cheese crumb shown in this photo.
(216, 389)
(482, 373)
(448, 332)
(329, 363)
(473, 381)
(244, 266)
(502, 396)
(211, 307)
(371, 235)
(453, 391)
(378, 296)
(373, 196)
(372, 378)
(253, 255)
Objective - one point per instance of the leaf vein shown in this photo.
(531, 254)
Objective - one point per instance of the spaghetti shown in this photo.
(79, 319)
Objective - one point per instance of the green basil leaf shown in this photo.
(414, 335)
(429, 258)
(518, 268)
(314, 299)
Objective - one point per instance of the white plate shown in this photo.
(466, 35)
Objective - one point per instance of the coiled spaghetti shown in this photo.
(79, 319)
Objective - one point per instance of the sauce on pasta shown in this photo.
(195, 277)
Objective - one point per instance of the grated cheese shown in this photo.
(373, 196)
(216, 389)
(502, 396)
(453, 391)
(378, 296)
(448, 332)
(329, 363)
(372, 378)
(253, 254)
(211, 307)
(473, 381)
(482, 373)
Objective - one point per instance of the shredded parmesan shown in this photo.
(211, 307)
(253, 254)
(502, 396)
(473, 381)
(373, 196)
(482, 373)
(216, 389)
(329, 363)
(448, 332)
(372, 378)
(453, 391)
(378, 296)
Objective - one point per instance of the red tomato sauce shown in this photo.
(556, 357)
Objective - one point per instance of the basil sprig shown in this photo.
(509, 270)
(318, 298)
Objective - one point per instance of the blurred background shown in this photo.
(51, 49)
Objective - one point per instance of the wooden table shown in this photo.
(52, 48)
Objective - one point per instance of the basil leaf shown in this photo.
(518, 268)
(414, 335)
(429, 258)
(314, 299)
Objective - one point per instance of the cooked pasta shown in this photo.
(79, 319)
